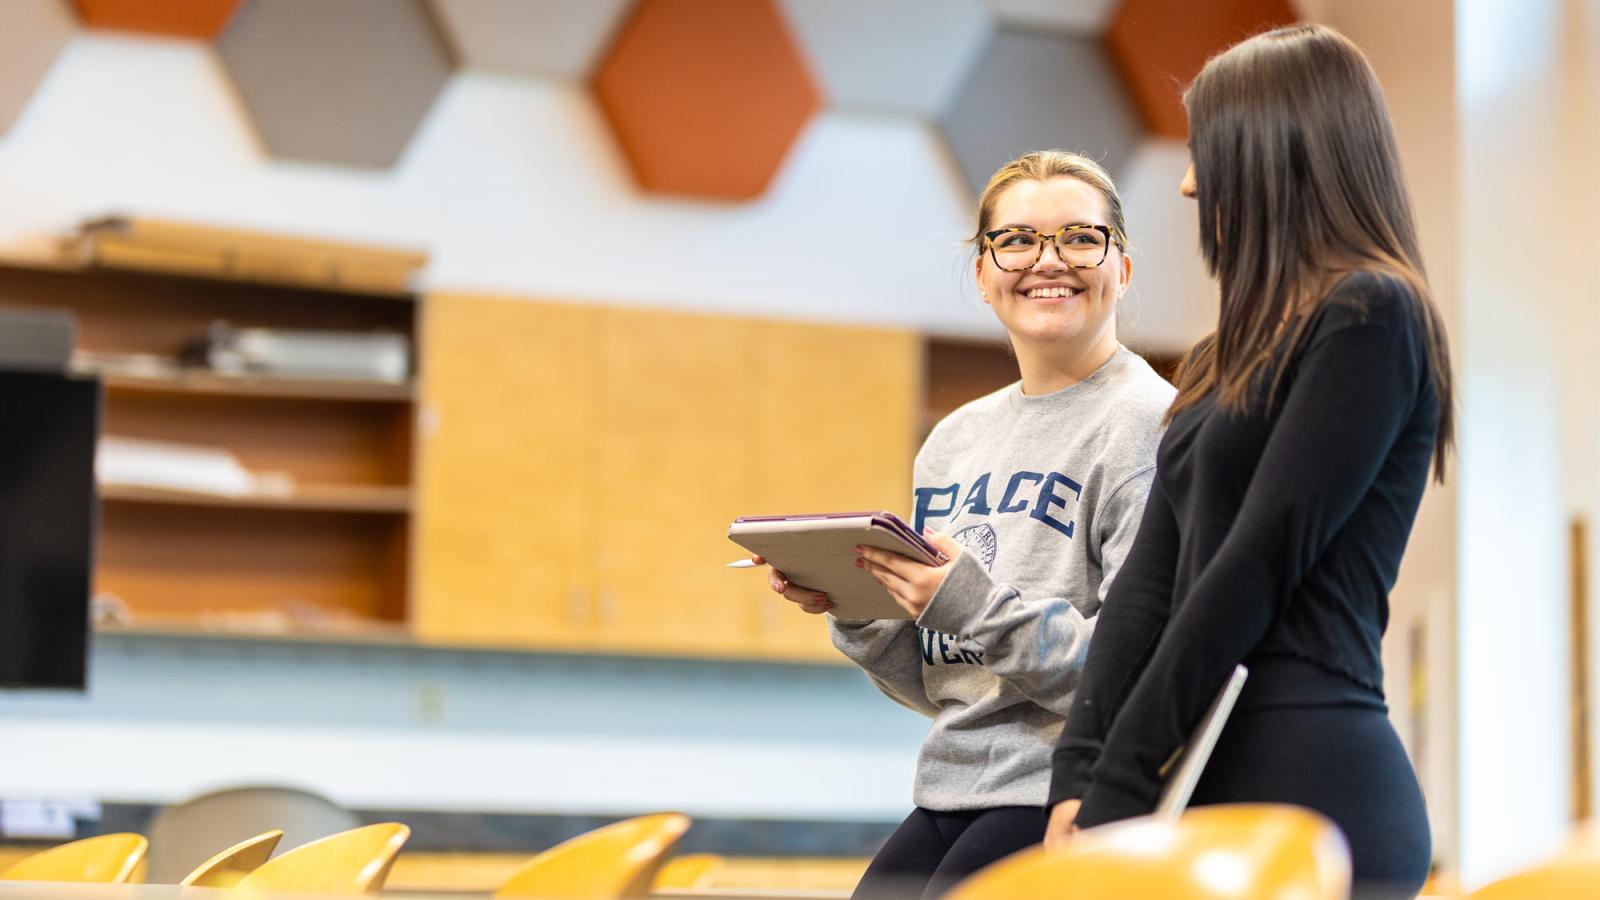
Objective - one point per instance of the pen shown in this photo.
(742, 564)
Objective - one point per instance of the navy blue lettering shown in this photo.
(1048, 498)
(1011, 490)
(977, 501)
(948, 649)
(925, 498)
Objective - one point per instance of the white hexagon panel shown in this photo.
(342, 82)
(889, 55)
(1034, 90)
(560, 38)
(30, 40)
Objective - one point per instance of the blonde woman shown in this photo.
(1034, 493)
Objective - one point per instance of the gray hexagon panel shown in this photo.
(889, 55)
(1079, 16)
(1035, 91)
(344, 82)
(562, 38)
(30, 40)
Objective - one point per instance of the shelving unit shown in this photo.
(334, 543)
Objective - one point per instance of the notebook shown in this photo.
(817, 551)
(1183, 771)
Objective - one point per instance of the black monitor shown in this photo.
(48, 517)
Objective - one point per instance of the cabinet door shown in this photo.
(503, 519)
(835, 428)
(673, 466)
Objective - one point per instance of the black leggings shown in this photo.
(1303, 736)
(931, 851)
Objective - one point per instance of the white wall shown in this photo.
(1529, 157)
(409, 728)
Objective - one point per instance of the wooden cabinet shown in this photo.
(561, 476)
(645, 433)
(331, 546)
(504, 478)
(673, 464)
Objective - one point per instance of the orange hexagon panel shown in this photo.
(184, 18)
(1161, 45)
(705, 96)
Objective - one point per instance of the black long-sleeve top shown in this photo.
(1275, 532)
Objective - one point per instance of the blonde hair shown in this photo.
(1045, 164)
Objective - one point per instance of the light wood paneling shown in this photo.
(677, 395)
(504, 526)
(835, 430)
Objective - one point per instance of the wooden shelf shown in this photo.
(210, 383)
(324, 498)
(244, 626)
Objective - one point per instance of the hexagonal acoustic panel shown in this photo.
(868, 57)
(32, 38)
(183, 18)
(1081, 16)
(705, 96)
(337, 82)
(1034, 91)
(1160, 46)
(540, 37)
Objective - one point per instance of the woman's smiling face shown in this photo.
(1052, 302)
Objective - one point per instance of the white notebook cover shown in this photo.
(818, 552)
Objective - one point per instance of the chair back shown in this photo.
(693, 871)
(107, 859)
(351, 862)
(229, 867)
(1211, 853)
(619, 860)
(184, 836)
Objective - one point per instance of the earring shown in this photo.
(983, 294)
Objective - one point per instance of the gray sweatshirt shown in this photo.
(1044, 493)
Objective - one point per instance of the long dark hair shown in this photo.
(1299, 185)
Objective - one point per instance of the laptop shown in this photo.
(1182, 772)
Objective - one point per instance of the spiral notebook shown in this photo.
(817, 551)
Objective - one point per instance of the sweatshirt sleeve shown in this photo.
(1354, 390)
(1135, 612)
(888, 652)
(1038, 644)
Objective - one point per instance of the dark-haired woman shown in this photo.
(1287, 483)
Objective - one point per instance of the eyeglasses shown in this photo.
(1078, 246)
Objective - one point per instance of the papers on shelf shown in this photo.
(135, 462)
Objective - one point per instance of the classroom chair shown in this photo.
(185, 835)
(1573, 874)
(351, 862)
(107, 859)
(695, 871)
(1234, 851)
(229, 867)
(619, 860)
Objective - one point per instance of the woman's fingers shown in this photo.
(807, 599)
(1062, 825)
